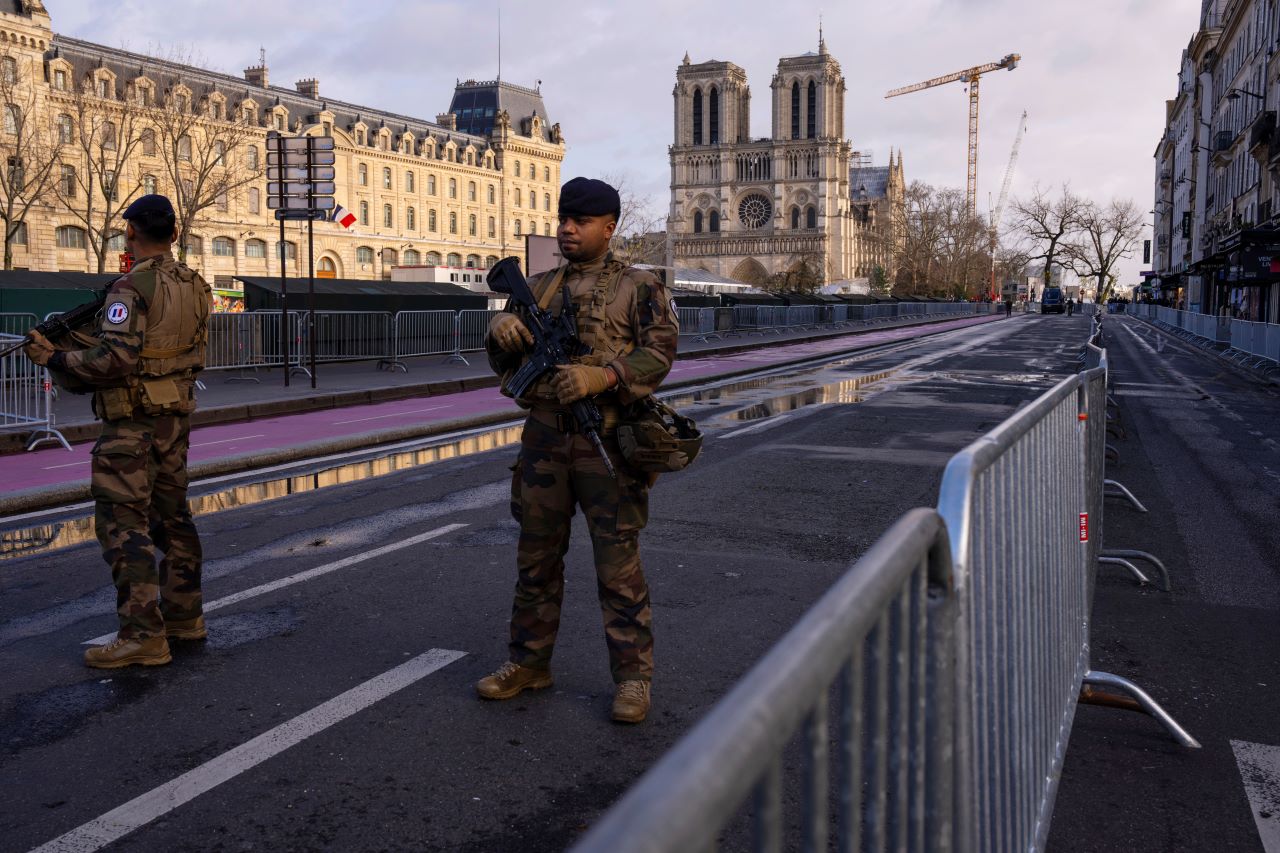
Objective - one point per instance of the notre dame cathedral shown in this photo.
(796, 209)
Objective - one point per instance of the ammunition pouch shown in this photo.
(656, 439)
(113, 404)
(167, 395)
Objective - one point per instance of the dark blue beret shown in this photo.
(148, 204)
(589, 197)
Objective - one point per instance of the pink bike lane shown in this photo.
(367, 425)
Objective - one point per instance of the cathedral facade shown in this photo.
(796, 208)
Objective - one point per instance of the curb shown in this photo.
(48, 496)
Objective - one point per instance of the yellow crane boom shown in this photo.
(970, 76)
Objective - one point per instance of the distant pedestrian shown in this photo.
(1008, 307)
(149, 345)
(1071, 307)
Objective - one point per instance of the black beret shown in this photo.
(589, 197)
(153, 204)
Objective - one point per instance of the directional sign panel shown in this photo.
(324, 202)
(300, 173)
(299, 158)
(318, 188)
(302, 214)
(300, 143)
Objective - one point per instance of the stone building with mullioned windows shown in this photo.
(796, 208)
(461, 190)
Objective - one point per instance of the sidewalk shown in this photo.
(271, 425)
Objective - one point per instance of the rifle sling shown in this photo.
(549, 286)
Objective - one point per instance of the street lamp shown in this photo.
(1234, 94)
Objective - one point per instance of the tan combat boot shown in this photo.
(186, 629)
(126, 651)
(510, 680)
(631, 704)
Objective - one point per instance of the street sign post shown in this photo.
(300, 175)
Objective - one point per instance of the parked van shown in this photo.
(1052, 301)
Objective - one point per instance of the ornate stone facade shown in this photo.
(802, 199)
(462, 190)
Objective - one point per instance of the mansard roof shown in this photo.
(85, 57)
(477, 104)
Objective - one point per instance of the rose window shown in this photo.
(754, 211)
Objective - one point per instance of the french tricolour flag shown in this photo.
(343, 217)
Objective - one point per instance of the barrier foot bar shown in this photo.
(456, 358)
(299, 369)
(1128, 554)
(241, 377)
(1112, 452)
(1122, 492)
(392, 364)
(1135, 699)
(40, 436)
(1133, 570)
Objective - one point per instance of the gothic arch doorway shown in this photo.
(751, 271)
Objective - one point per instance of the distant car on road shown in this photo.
(1052, 301)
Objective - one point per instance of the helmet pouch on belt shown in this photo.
(656, 439)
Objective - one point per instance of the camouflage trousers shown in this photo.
(555, 472)
(139, 484)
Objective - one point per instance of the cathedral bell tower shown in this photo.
(808, 97)
(713, 104)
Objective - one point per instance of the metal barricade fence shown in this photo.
(244, 340)
(419, 333)
(697, 321)
(26, 397)
(347, 336)
(473, 325)
(17, 324)
(878, 640)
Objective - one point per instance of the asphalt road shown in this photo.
(333, 708)
(1201, 453)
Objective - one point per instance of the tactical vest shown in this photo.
(177, 323)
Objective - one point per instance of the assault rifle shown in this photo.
(61, 325)
(555, 341)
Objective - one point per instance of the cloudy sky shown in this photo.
(1094, 75)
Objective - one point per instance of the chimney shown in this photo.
(309, 88)
(257, 75)
(449, 120)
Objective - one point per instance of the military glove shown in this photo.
(509, 333)
(39, 350)
(572, 382)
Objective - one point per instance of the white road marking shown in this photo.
(309, 574)
(1260, 768)
(393, 415)
(228, 440)
(68, 465)
(159, 801)
(777, 420)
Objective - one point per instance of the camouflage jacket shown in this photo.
(637, 339)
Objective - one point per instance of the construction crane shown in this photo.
(998, 210)
(971, 77)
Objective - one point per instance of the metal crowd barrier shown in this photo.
(26, 396)
(698, 323)
(17, 324)
(417, 333)
(956, 669)
(1256, 345)
(873, 641)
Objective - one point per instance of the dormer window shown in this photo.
(104, 87)
(60, 79)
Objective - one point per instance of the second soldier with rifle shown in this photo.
(627, 329)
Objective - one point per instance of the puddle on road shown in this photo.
(750, 400)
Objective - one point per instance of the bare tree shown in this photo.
(632, 241)
(923, 225)
(100, 138)
(28, 147)
(1048, 224)
(200, 142)
(1106, 236)
(944, 247)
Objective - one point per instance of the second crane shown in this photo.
(969, 76)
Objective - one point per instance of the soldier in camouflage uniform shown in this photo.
(625, 315)
(149, 346)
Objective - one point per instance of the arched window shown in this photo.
(326, 265)
(453, 188)
(533, 227)
(471, 191)
(454, 260)
(364, 255)
(364, 213)
(409, 182)
(697, 116)
(490, 193)
(388, 217)
(287, 251)
(713, 116)
(453, 222)
(115, 243)
(813, 110)
(517, 167)
(811, 217)
(715, 221)
(433, 259)
(697, 222)
(795, 110)
(386, 177)
(412, 258)
(362, 174)
(546, 174)
(517, 231)
(195, 245)
(533, 200)
(795, 217)
(431, 220)
(546, 201)
(224, 247)
(431, 184)
(493, 227)
(473, 261)
(471, 225)
(252, 158)
(411, 219)
(490, 261)
(255, 248)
